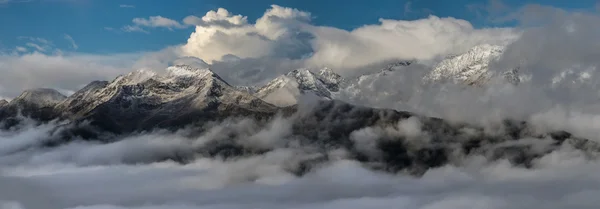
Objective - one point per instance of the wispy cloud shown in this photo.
(407, 8)
(133, 28)
(126, 6)
(2, 2)
(36, 43)
(152, 22)
(20, 49)
(71, 41)
(489, 10)
(410, 10)
(36, 47)
(35, 39)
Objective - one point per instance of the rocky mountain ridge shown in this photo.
(285, 89)
(470, 68)
(194, 98)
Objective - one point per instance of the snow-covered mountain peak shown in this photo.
(326, 71)
(396, 65)
(190, 74)
(298, 82)
(308, 79)
(181, 86)
(135, 77)
(176, 73)
(188, 71)
(389, 68)
(329, 77)
(305, 78)
(3, 102)
(466, 67)
(42, 97)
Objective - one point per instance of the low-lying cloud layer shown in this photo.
(123, 174)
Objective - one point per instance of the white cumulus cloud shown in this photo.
(287, 32)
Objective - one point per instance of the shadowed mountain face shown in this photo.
(38, 104)
(194, 99)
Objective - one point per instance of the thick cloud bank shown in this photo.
(61, 72)
(123, 174)
(286, 32)
(554, 57)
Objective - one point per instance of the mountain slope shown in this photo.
(183, 96)
(143, 100)
(41, 97)
(471, 67)
(34, 103)
(286, 89)
(83, 100)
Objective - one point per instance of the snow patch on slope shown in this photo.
(134, 77)
(286, 89)
(187, 71)
(466, 67)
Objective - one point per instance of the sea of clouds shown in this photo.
(128, 173)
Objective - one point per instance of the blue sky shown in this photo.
(95, 25)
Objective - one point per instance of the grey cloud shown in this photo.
(91, 175)
(68, 72)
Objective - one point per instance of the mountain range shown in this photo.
(186, 97)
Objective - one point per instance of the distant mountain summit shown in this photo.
(41, 97)
(286, 89)
(3, 102)
(36, 103)
(471, 67)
